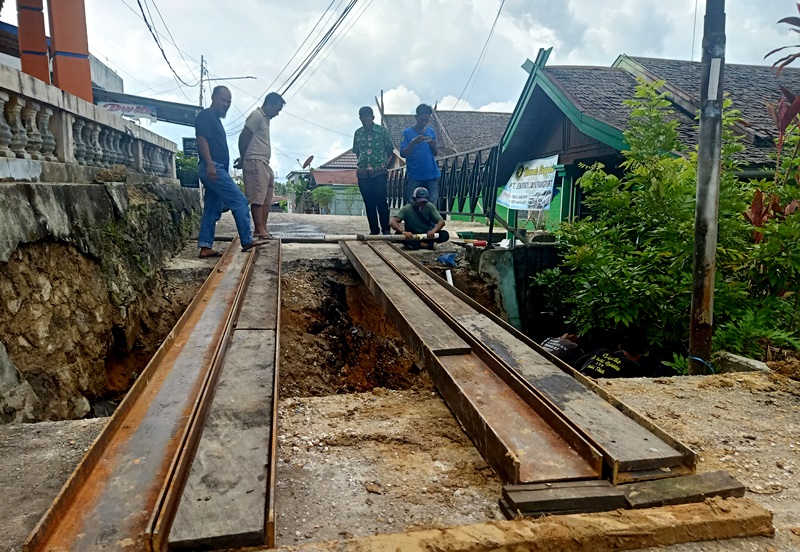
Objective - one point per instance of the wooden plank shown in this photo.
(626, 444)
(682, 490)
(512, 513)
(260, 309)
(516, 442)
(418, 325)
(224, 500)
(557, 485)
(600, 532)
(554, 499)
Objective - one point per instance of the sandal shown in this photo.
(266, 236)
(254, 243)
(209, 255)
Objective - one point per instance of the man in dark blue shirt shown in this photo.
(219, 186)
(418, 147)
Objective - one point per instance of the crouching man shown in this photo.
(420, 217)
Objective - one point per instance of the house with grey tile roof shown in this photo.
(456, 131)
(578, 114)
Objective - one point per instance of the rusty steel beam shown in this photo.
(506, 429)
(617, 472)
(543, 409)
(157, 532)
(107, 501)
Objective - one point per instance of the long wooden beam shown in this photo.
(600, 532)
(632, 450)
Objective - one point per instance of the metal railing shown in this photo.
(467, 185)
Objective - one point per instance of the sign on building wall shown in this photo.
(530, 188)
(190, 147)
(133, 111)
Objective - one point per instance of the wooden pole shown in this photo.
(708, 169)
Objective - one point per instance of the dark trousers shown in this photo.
(373, 190)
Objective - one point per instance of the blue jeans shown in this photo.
(432, 186)
(221, 191)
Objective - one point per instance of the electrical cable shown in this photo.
(296, 74)
(297, 51)
(158, 43)
(98, 54)
(174, 42)
(170, 81)
(483, 52)
(332, 48)
(309, 57)
(258, 98)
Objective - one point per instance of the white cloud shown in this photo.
(400, 100)
(499, 107)
(452, 102)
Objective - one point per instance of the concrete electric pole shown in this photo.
(708, 169)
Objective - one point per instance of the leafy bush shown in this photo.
(323, 196)
(629, 264)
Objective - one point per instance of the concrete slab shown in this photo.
(294, 224)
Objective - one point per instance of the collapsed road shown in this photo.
(666, 456)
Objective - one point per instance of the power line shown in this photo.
(158, 43)
(297, 51)
(316, 125)
(483, 52)
(310, 55)
(170, 81)
(332, 48)
(99, 54)
(296, 74)
(158, 11)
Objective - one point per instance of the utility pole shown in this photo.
(202, 74)
(706, 216)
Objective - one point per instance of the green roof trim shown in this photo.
(603, 132)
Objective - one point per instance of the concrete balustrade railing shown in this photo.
(48, 135)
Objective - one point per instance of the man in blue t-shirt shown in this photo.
(418, 147)
(220, 188)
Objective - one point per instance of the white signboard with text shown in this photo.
(530, 188)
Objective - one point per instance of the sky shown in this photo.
(413, 51)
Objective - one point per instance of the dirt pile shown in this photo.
(335, 338)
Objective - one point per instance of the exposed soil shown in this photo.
(745, 423)
(336, 339)
(367, 446)
(387, 461)
(35, 462)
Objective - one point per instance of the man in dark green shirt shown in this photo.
(420, 217)
(373, 146)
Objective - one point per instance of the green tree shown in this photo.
(629, 264)
(351, 197)
(323, 196)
